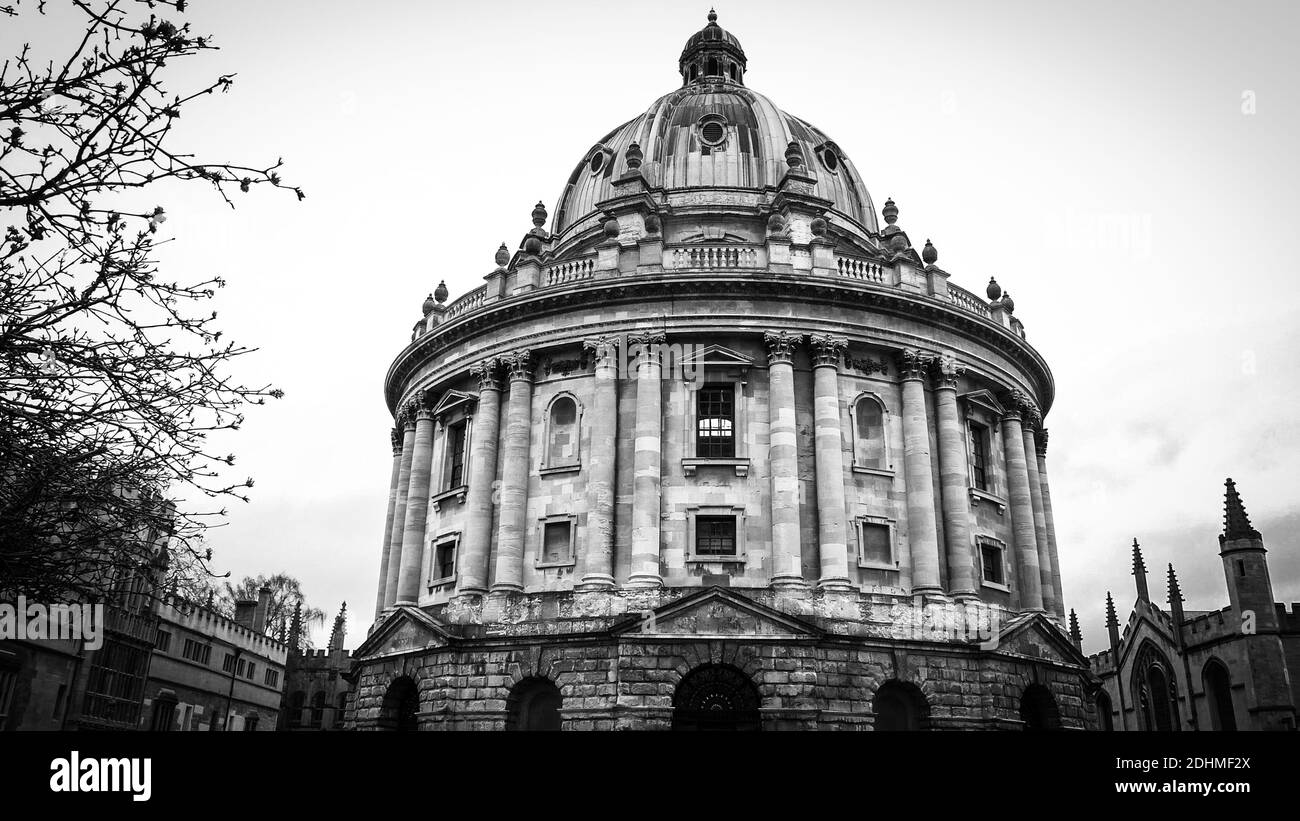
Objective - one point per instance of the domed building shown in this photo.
(715, 449)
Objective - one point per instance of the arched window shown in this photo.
(534, 704)
(695, 71)
(340, 708)
(296, 703)
(716, 697)
(1038, 709)
(713, 66)
(562, 433)
(1104, 719)
(1155, 690)
(401, 703)
(317, 710)
(869, 434)
(733, 72)
(900, 706)
(1218, 695)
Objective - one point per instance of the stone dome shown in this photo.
(712, 133)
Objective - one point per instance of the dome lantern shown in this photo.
(712, 55)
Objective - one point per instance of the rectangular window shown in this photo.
(194, 651)
(877, 543)
(239, 668)
(455, 455)
(250, 724)
(228, 666)
(252, 670)
(715, 535)
(8, 680)
(991, 562)
(979, 456)
(164, 641)
(556, 538)
(446, 559)
(715, 421)
(272, 678)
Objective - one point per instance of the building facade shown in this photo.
(1236, 668)
(719, 448)
(317, 689)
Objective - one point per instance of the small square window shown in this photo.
(715, 535)
(991, 563)
(442, 566)
(876, 538)
(555, 541)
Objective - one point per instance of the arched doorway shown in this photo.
(1105, 721)
(1218, 695)
(1155, 691)
(900, 706)
(1038, 709)
(401, 703)
(716, 697)
(534, 704)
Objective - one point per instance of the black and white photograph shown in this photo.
(594, 373)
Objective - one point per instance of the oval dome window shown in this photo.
(597, 161)
(712, 132)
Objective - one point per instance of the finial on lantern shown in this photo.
(713, 16)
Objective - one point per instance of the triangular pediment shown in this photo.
(717, 611)
(717, 355)
(1145, 623)
(1036, 636)
(452, 400)
(985, 400)
(403, 630)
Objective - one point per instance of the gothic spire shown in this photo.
(1111, 619)
(340, 628)
(295, 630)
(1175, 592)
(1140, 572)
(1075, 635)
(1236, 524)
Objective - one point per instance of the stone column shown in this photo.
(476, 547)
(417, 506)
(388, 521)
(787, 557)
(514, 475)
(1041, 454)
(1022, 507)
(954, 479)
(922, 525)
(829, 456)
(1030, 417)
(598, 562)
(405, 421)
(646, 463)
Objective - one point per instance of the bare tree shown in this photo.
(286, 598)
(113, 376)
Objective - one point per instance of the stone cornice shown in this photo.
(633, 289)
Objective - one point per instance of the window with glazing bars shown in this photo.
(715, 421)
(456, 455)
(979, 456)
(715, 535)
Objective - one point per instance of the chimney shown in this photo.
(244, 612)
(263, 609)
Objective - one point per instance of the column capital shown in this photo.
(1034, 417)
(946, 370)
(488, 374)
(1016, 402)
(395, 436)
(912, 364)
(1040, 444)
(646, 346)
(603, 348)
(519, 365)
(827, 349)
(780, 346)
(406, 416)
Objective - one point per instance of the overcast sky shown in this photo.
(1127, 171)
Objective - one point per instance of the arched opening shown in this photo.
(713, 67)
(733, 72)
(534, 704)
(695, 71)
(1038, 709)
(900, 706)
(716, 697)
(296, 702)
(1105, 721)
(562, 432)
(1218, 695)
(1155, 691)
(869, 434)
(340, 708)
(317, 710)
(401, 703)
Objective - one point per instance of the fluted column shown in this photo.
(388, 521)
(406, 421)
(485, 432)
(1029, 421)
(829, 456)
(417, 506)
(514, 475)
(647, 460)
(787, 558)
(954, 479)
(1041, 454)
(1022, 507)
(598, 562)
(922, 525)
